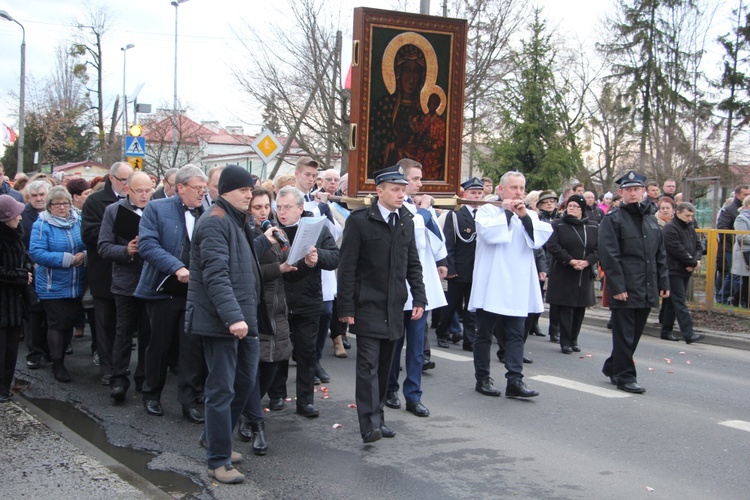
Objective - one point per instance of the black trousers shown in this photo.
(131, 316)
(277, 387)
(35, 332)
(305, 331)
(513, 328)
(374, 358)
(10, 337)
(253, 411)
(627, 328)
(675, 307)
(105, 317)
(571, 319)
(457, 297)
(167, 318)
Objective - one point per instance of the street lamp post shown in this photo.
(22, 104)
(124, 94)
(175, 4)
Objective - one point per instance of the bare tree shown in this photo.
(492, 28)
(160, 155)
(290, 74)
(91, 29)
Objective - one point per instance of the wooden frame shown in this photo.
(408, 74)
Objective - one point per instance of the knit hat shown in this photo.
(9, 208)
(234, 177)
(578, 200)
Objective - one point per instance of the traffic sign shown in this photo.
(136, 162)
(135, 146)
(267, 146)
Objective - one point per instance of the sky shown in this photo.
(207, 46)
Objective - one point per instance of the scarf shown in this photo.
(66, 222)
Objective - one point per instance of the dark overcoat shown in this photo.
(565, 285)
(631, 252)
(15, 266)
(375, 264)
(92, 214)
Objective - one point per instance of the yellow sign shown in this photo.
(136, 162)
(267, 146)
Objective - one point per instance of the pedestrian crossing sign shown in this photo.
(135, 146)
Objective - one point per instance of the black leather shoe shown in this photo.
(276, 404)
(610, 377)
(537, 331)
(346, 343)
(696, 337)
(518, 389)
(321, 373)
(317, 380)
(609, 325)
(260, 446)
(443, 343)
(485, 387)
(33, 365)
(468, 347)
(669, 336)
(527, 359)
(153, 407)
(4, 398)
(308, 410)
(417, 408)
(576, 348)
(428, 365)
(117, 394)
(392, 401)
(553, 337)
(501, 356)
(456, 338)
(69, 349)
(631, 387)
(566, 349)
(244, 431)
(193, 415)
(387, 432)
(372, 436)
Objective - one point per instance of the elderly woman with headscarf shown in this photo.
(15, 277)
(570, 286)
(60, 255)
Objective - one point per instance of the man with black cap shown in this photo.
(223, 307)
(460, 240)
(378, 256)
(631, 252)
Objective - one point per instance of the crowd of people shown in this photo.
(197, 270)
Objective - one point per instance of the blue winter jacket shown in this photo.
(161, 235)
(52, 248)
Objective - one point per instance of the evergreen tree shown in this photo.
(533, 141)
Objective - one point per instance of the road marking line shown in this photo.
(737, 424)
(578, 386)
(446, 355)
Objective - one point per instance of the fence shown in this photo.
(733, 294)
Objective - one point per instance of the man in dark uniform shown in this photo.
(631, 251)
(460, 240)
(378, 255)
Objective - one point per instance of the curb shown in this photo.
(146, 487)
(733, 341)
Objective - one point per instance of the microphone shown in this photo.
(278, 234)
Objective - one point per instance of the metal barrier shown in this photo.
(703, 293)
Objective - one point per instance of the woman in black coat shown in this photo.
(573, 254)
(15, 277)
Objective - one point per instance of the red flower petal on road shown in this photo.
(337, 426)
(352, 405)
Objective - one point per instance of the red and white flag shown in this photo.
(7, 134)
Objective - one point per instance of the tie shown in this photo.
(392, 218)
(195, 212)
(474, 214)
(308, 197)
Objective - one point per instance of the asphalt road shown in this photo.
(581, 438)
